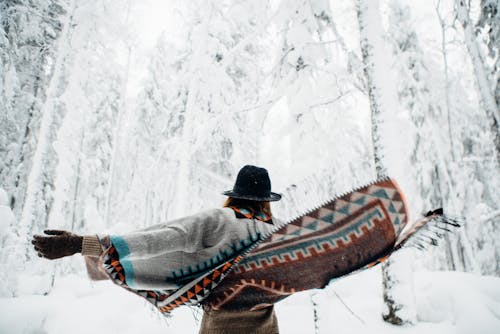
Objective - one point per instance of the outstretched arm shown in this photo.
(58, 243)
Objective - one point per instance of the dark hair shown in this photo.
(255, 206)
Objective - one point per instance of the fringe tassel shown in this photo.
(430, 230)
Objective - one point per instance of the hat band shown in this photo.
(241, 191)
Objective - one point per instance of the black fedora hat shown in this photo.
(253, 183)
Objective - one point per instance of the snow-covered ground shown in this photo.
(448, 302)
(133, 105)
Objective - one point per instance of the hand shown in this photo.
(57, 244)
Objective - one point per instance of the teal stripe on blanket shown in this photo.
(122, 248)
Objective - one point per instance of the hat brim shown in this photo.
(271, 198)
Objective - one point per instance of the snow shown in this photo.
(7, 245)
(4, 198)
(447, 302)
(289, 94)
(6, 214)
(7, 217)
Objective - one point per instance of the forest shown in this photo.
(118, 115)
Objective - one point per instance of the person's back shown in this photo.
(256, 321)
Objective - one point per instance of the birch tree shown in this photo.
(397, 284)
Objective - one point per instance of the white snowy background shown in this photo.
(116, 115)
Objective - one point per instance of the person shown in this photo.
(175, 255)
(250, 198)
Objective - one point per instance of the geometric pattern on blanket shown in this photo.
(349, 232)
(345, 234)
(192, 293)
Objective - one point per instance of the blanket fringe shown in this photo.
(429, 230)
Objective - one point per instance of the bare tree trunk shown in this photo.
(370, 28)
(373, 91)
(315, 312)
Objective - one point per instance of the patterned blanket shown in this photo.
(345, 234)
(350, 232)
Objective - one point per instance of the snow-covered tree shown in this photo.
(40, 183)
(91, 99)
(483, 79)
(397, 277)
(115, 134)
(418, 98)
(29, 35)
(488, 28)
(34, 37)
(474, 162)
(195, 99)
